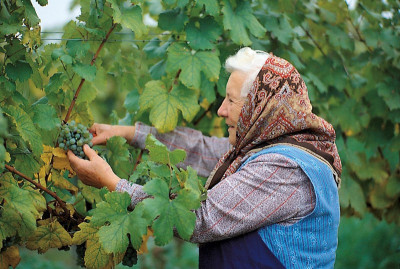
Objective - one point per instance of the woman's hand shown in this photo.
(94, 172)
(103, 132)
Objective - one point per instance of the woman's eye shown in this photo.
(230, 100)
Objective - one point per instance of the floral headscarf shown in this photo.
(278, 110)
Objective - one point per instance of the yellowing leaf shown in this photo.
(95, 255)
(62, 163)
(8, 157)
(62, 183)
(9, 257)
(59, 152)
(87, 232)
(143, 248)
(51, 235)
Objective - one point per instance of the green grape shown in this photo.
(73, 136)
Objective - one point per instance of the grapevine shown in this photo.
(169, 75)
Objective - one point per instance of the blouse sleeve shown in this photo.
(269, 189)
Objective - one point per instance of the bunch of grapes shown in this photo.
(73, 136)
(80, 252)
(130, 257)
(8, 242)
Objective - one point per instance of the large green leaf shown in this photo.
(239, 19)
(114, 210)
(159, 153)
(18, 206)
(173, 20)
(129, 17)
(25, 128)
(170, 214)
(45, 116)
(203, 33)
(164, 105)
(118, 156)
(192, 64)
(20, 71)
(212, 6)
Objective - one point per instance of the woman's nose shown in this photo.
(222, 112)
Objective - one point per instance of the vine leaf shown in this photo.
(32, 18)
(86, 71)
(170, 214)
(18, 208)
(114, 209)
(118, 156)
(49, 235)
(21, 71)
(192, 63)
(203, 33)
(25, 128)
(55, 82)
(130, 17)
(95, 255)
(61, 161)
(238, 20)
(212, 6)
(174, 20)
(158, 152)
(45, 116)
(164, 105)
(10, 257)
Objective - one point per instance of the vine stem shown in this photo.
(83, 80)
(138, 160)
(313, 40)
(175, 80)
(39, 186)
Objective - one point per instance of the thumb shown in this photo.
(72, 158)
(90, 153)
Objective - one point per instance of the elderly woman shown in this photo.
(272, 193)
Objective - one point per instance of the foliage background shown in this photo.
(349, 59)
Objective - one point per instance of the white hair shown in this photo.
(249, 62)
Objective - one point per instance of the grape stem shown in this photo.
(83, 80)
(39, 186)
(138, 160)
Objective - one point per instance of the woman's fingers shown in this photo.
(90, 153)
(73, 159)
(100, 139)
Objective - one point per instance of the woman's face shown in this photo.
(233, 103)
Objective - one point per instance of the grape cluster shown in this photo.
(130, 257)
(73, 136)
(80, 252)
(8, 242)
